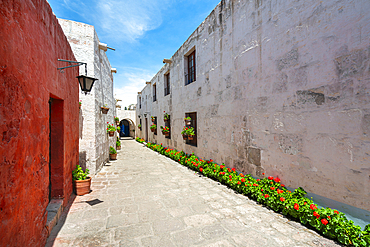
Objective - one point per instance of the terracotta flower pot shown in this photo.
(111, 133)
(79, 106)
(185, 137)
(113, 156)
(82, 187)
(152, 130)
(104, 110)
(118, 147)
(190, 138)
(153, 120)
(166, 133)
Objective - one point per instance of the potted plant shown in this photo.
(153, 119)
(117, 120)
(79, 104)
(112, 153)
(165, 130)
(187, 120)
(81, 182)
(184, 134)
(118, 129)
(118, 144)
(139, 126)
(190, 132)
(110, 129)
(153, 127)
(104, 109)
(166, 117)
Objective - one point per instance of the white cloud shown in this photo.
(134, 83)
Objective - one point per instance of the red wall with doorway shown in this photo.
(31, 41)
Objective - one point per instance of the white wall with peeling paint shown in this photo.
(94, 141)
(283, 87)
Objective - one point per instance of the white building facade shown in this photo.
(275, 87)
(94, 141)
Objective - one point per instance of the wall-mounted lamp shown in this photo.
(113, 70)
(86, 82)
(144, 114)
(139, 116)
(148, 82)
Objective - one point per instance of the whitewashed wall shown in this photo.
(283, 87)
(94, 141)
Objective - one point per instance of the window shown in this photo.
(167, 123)
(154, 92)
(155, 122)
(193, 116)
(191, 73)
(140, 104)
(167, 84)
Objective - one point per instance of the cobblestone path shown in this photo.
(146, 199)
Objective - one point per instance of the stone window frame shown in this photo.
(154, 92)
(167, 83)
(190, 71)
(193, 124)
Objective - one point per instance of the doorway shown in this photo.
(56, 148)
(146, 129)
(125, 128)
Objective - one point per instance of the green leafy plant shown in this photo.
(118, 128)
(187, 118)
(140, 140)
(183, 132)
(118, 143)
(165, 129)
(112, 150)
(188, 131)
(153, 118)
(80, 102)
(273, 194)
(139, 126)
(105, 106)
(79, 174)
(116, 119)
(153, 126)
(166, 116)
(110, 127)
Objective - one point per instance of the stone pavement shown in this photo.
(146, 199)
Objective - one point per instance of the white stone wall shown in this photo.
(283, 87)
(94, 141)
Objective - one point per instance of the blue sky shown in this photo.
(143, 32)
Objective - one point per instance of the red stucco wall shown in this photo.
(31, 41)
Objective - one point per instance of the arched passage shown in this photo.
(127, 127)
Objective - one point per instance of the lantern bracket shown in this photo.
(75, 65)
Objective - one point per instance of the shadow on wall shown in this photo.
(83, 160)
(81, 125)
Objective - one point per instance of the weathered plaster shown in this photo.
(283, 87)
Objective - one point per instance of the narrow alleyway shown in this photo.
(145, 199)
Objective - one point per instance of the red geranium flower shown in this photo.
(272, 188)
(258, 180)
(270, 178)
(316, 214)
(233, 169)
(266, 196)
(282, 185)
(243, 180)
(201, 169)
(329, 217)
(263, 173)
(211, 160)
(282, 199)
(214, 170)
(313, 206)
(305, 203)
(230, 176)
(335, 211)
(239, 182)
(261, 189)
(241, 174)
(296, 206)
(324, 221)
(277, 180)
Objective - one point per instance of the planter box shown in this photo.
(190, 138)
(113, 156)
(166, 133)
(152, 130)
(153, 120)
(111, 133)
(104, 110)
(82, 187)
(185, 137)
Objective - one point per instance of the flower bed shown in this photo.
(273, 194)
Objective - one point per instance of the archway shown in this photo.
(127, 128)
